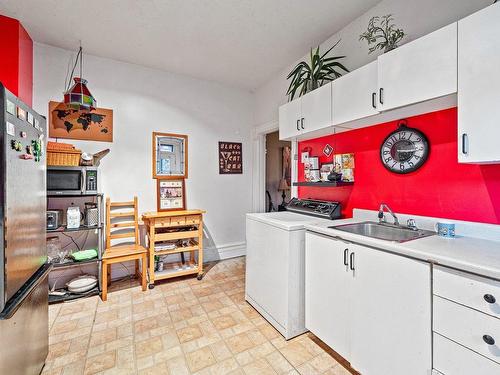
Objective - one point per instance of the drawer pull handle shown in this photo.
(488, 340)
(489, 298)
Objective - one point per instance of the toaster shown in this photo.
(54, 219)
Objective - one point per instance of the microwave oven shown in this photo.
(71, 180)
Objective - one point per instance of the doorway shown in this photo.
(278, 172)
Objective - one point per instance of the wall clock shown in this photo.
(404, 150)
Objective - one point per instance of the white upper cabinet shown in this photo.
(355, 95)
(289, 119)
(307, 114)
(317, 109)
(423, 69)
(479, 86)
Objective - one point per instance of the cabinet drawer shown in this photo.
(193, 219)
(474, 291)
(467, 327)
(451, 358)
(178, 220)
(165, 222)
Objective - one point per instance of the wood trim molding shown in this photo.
(259, 164)
(158, 206)
(332, 353)
(153, 159)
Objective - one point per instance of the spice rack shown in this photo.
(171, 226)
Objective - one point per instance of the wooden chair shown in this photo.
(122, 252)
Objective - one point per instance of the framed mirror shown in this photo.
(170, 156)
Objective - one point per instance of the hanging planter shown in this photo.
(78, 96)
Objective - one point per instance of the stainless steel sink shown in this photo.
(384, 231)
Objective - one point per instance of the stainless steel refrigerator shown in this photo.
(23, 259)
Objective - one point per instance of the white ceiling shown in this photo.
(240, 43)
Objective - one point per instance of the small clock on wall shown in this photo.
(404, 150)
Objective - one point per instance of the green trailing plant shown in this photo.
(382, 34)
(321, 69)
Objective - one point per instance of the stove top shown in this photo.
(323, 209)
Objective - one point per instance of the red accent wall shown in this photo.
(16, 59)
(441, 187)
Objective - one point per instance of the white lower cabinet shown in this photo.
(391, 313)
(372, 307)
(466, 323)
(451, 358)
(327, 292)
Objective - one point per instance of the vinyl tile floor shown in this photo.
(183, 326)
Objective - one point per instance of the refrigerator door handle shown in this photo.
(17, 299)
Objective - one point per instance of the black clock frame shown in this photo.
(422, 160)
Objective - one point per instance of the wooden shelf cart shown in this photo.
(172, 226)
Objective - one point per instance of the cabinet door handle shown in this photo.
(374, 99)
(298, 129)
(302, 123)
(489, 298)
(351, 259)
(465, 143)
(345, 257)
(488, 340)
(380, 95)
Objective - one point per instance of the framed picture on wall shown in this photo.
(94, 125)
(170, 156)
(171, 195)
(230, 158)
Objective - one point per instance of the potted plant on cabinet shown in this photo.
(382, 34)
(321, 69)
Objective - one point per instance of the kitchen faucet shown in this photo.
(381, 218)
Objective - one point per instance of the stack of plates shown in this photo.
(82, 284)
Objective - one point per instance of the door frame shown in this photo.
(259, 165)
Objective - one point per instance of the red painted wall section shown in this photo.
(9, 52)
(441, 187)
(25, 82)
(16, 59)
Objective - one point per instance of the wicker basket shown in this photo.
(63, 157)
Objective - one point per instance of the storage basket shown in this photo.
(63, 157)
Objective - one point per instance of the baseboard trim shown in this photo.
(226, 251)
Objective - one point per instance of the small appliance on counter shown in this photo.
(275, 261)
(71, 180)
(73, 217)
(91, 214)
(54, 219)
(323, 209)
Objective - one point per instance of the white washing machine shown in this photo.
(274, 283)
